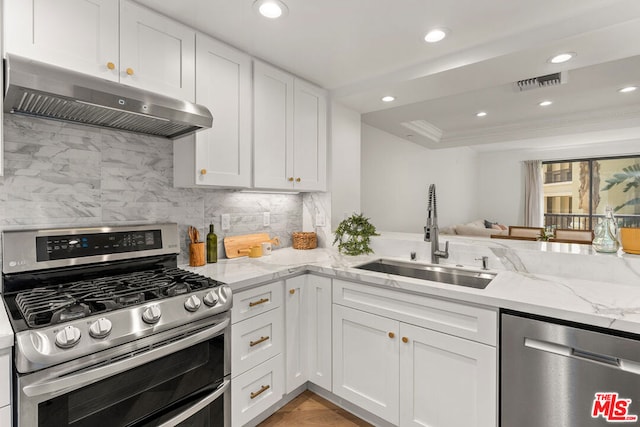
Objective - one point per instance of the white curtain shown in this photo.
(533, 194)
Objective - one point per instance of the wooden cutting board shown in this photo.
(234, 244)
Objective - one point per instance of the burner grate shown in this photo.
(57, 304)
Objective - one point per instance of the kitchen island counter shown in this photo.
(568, 282)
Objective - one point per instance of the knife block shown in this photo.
(196, 254)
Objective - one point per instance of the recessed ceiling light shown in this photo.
(481, 114)
(563, 57)
(436, 35)
(271, 9)
(388, 98)
(627, 89)
(545, 103)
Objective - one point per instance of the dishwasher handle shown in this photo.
(576, 353)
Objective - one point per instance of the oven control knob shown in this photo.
(151, 314)
(100, 328)
(192, 303)
(68, 337)
(211, 299)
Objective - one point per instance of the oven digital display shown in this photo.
(81, 245)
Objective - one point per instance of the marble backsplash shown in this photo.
(60, 174)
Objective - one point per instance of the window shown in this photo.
(577, 192)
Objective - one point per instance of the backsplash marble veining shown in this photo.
(62, 174)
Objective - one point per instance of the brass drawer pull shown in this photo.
(405, 340)
(292, 291)
(392, 335)
(254, 343)
(260, 301)
(264, 388)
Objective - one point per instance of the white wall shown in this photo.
(344, 172)
(396, 175)
(501, 175)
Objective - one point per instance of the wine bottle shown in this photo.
(212, 245)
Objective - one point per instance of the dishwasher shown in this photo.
(558, 374)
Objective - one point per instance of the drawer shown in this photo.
(462, 320)
(256, 301)
(255, 340)
(256, 390)
(5, 416)
(5, 377)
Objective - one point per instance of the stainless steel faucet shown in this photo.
(431, 229)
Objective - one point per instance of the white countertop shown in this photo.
(6, 332)
(569, 282)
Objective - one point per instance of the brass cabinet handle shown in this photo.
(292, 291)
(129, 71)
(290, 179)
(260, 301)
(254, 343)
(392, 335)
(255, 394)
(111, 65)
(405, 340)
(203, 171)
(297, 179)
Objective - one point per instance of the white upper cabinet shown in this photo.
(81, 35)
(220, 156)
(273, 127)
(309, 137)
(290, 128)
(112, 39)
(156, 53)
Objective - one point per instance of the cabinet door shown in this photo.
(273, 127)
(223, 85)
(156, 53)
(309, 137)
(296, 332)
(365, 361)
(81, 35)
(445, 381)
(319, 330)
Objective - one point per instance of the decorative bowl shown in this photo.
(630, 239)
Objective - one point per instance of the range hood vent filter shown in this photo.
(42, 90)
(542, 81)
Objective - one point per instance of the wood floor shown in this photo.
(309, 409)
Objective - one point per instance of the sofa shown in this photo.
(477, 228)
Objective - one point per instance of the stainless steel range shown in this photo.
(110, 332)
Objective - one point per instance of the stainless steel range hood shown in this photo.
(43, 90)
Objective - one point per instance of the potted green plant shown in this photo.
(353, 235)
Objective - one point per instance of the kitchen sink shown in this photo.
(434, 273)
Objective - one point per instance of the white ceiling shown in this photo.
(363, 49)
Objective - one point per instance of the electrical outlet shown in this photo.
(319, 220)
(226, 222)
(266, 219)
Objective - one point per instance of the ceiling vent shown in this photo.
(542, 81)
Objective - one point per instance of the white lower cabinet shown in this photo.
(256, 390)
(308, 331)
(296, 332)
(445, 381)
(5, 387)
(257, 347)
(410, 375)
(319, 330)
(366, 361)
(5, 416)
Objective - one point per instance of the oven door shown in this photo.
(180, 378)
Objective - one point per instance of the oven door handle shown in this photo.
(198, 406)
(79, 380)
